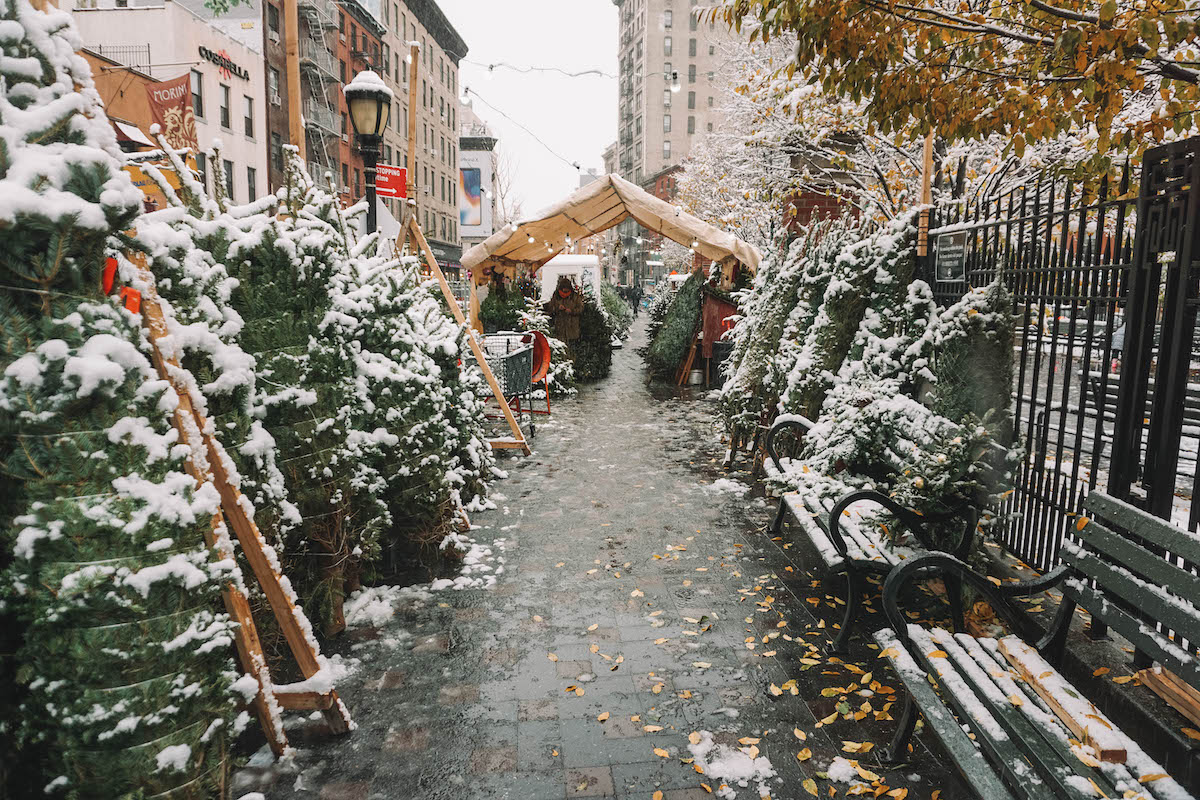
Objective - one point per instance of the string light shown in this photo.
(695, 244)
(561, 158)
(516, 68)
(531, 238)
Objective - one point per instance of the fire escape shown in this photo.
(318, 79)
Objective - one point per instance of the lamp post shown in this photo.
(370, 103)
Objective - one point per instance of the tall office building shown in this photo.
(668, 59)
(666, 99)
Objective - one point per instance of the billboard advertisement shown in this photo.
(475, 193)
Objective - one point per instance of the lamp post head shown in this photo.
(370, 103)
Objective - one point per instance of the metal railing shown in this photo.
(321, 117)
(319, 13)
(315, 55)
(136, 56)
(1064, 252)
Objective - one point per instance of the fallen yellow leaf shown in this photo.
(1100, 671)
(593, 627)
(652, 728)
(799, 734)
(804, 755)
(658, 795)
(810, 786)
(1191, 733)
(938, 654)
(603, 716)
(1156, 776)
(694, 737)
(658, 751)
(551, 656)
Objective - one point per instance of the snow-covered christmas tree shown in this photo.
(124, 680)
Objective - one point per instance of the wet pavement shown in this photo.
(642, 607)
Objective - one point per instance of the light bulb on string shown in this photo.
(490, 70)
(531, 238)
(695, 244)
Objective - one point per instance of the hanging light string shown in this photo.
(517, 68)
(468, 91)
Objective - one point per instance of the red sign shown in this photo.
(171, 110)
(391, 181)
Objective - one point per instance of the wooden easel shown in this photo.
(411, 228)
(517, 440)
(207, 465)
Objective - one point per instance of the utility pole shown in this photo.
(291, 30)
(926, 197)
(414, 63)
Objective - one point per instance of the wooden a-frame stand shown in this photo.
(517, 440)
(207, 465)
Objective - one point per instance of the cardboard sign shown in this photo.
(391, 181)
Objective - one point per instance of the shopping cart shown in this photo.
(511, 359)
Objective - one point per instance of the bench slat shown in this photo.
(1154, 644)
(1146, 526)
(977, 771)
(1151, 566)
(1172, 612)
(1021, 746)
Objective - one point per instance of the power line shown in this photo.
(516, 68)
(467, 90)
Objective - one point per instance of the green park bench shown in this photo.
(847, 543)
(1015, 727)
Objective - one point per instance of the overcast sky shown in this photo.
(576, 117)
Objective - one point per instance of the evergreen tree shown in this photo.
(561, 375)
(670, 344)
(124, 683)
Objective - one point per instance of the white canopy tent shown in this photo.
(592, 209)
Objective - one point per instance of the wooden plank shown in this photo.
(1171, 688)
(246, 641)
(1144, 525)
(979, 774)
(1132, 556)
(1091, 728)
(472, 340)
(253, 544)
(303, 701)
(1142, 595)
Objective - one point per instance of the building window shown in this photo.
(667, 20)
(691, 73)
(273, 18)
(277, 151)
(709, 128)
(341, 22)
(691, 48)
(692, 22)
(712, 49)
(344, 131)
(710, 77)
(666, 123)
(638, 126)
(198, 94)
(667, 98)
(249, 116)
(202, 168)
(345, 176)
(710, 101)
(691, 100)
(251, 184)
(691, 124)
(342, 70)
(639, 49)
(666, 45)
(226, 115)
(228, 179)
(667, 149)
(357, 183)
(273, 82)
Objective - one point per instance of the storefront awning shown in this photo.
(132, 133)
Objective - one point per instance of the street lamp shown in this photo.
(370, 104)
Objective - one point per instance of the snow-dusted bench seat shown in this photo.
(845, 539)
(1032, 733)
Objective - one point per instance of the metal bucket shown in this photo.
(696, 377)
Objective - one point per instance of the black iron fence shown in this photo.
(1064, 250)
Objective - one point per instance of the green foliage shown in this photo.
(973, 361)
(561, 374)
(657, 312)
(620, 314)
(592, 351)
(502, 308)
(670, 345)
(118, 679)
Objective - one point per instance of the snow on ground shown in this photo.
(482, 563)
(377, 605)
(725, 485)
(730, 766)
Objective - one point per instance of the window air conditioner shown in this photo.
(273, 36)
(276, 100)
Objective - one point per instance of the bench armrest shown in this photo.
(785, 422)
(914, 520)
(956, 572)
